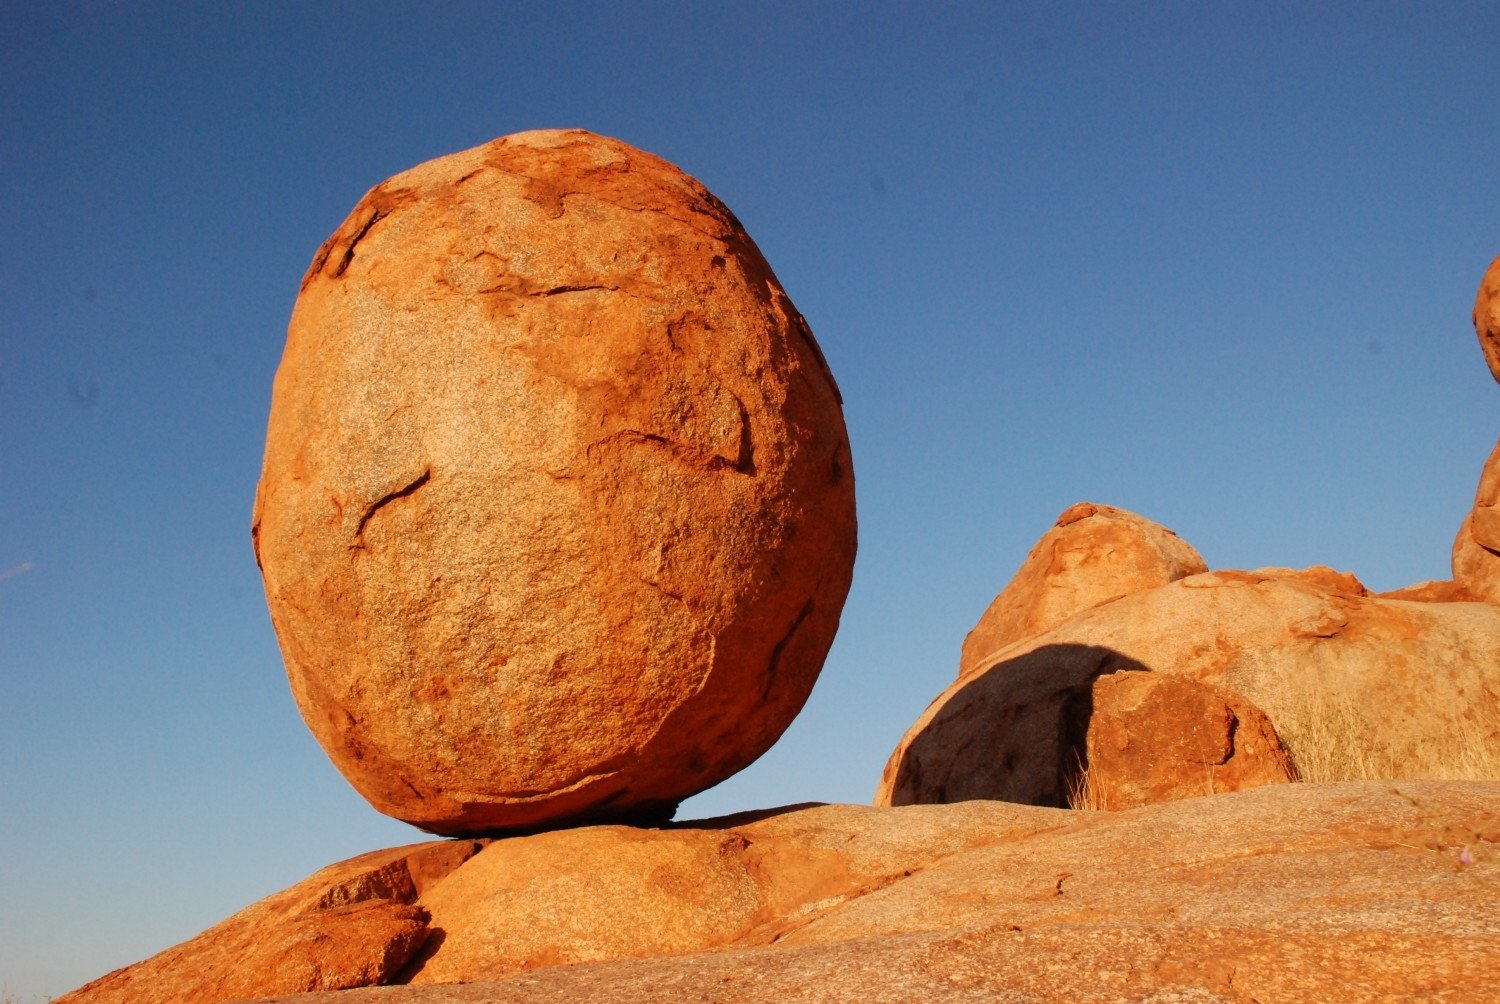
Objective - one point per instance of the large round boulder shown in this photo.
(557, 514)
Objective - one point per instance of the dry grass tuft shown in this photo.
(1082, 793)
(1330, 739)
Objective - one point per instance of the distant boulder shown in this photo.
(1156, 737)
(1093, 554)
(1346, 681)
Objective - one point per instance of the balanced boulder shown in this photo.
(557, 514)
(1094, 554)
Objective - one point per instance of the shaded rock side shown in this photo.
(1487, 317)
(557, 517)
(352, 924)
(1094, 554)
(1476, 549)
(1349, 682)
(1350, 892)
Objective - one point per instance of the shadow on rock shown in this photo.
(1018, 735)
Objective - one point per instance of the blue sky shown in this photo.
(1212, 263)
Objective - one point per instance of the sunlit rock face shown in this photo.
(557, 513)
(1350, 892)
(1476, 549)
(1093, 554)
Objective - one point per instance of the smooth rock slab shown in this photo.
(1359, 891)
(557, 514)
(353, 924)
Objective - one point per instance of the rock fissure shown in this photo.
(681, 451)
(774, 664)
(1231, 731)
(376, 216)
(581, 288)
(385, 500)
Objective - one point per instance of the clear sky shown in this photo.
(1212, 263)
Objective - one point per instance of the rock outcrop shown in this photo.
(612, 892)
(556, 524)
(353, 924)
(1476, 549)
(1389, 687)
(1155, 737)
(1355, 891)
(557, 514)
(1094, 554)
(1432, 591)
(1487, 317)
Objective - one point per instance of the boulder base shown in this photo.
(1348, 892)
(352, 924)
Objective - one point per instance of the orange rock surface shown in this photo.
(1486, 516)
(1155, 737)
(1437, 591)
(353, 924)
(1094, 554)
(1357, 891)
(1324, 662)
(1487, 317)
(1476, 549)
(613, 892)
(557, 514)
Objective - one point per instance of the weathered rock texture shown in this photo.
(1436, 591)
(1387, 685)
(602, 893)
(1352, 892)
(557, 514)
(1476, 549)
(1487, 317)
(353, 924)
(1154, 737)
(1094, 554)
